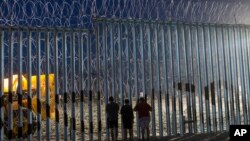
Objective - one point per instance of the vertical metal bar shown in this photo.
(136, 73)
(189, 75)
(112, 58)
(216, 77)
(65, 88)
(142, 50)
(245, 65)
(237, 78)
(229, 78)
(168, 50)
(89, 87)
(245, 69)
(127, 52)
(10, 88)
(202, 69)
(213, 75)
(195, 87)
(175, 74)
(128, 63)
(248, 68)
(219, 45)
(184, 74)
(165, 79)
(120, 69)
(226, 69)
(39, 117)
(207, 67)
(242, 73)
(222, 78)
(56, 92)
(178, 72)
(73, 93)
(214, 85)
(174, 119)
(238, 58)
(232, 75)
(80, 46)
(120, 62)
(199, 81)
(98, 83)
(150, 56)
(47, 71)
(19, 91)
(29, 87)
(2, 85)
(158, 84)
(106, 73)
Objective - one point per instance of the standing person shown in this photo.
(127, 119)
(143, 109)
(112, 109)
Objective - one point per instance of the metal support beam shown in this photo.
(73, 91)
(151, 77)
(56, 92)
(65, 88)
(2, 84)
(47, 84)
(10, 86)
(19, 91)
(38, 100)
(81, 73)
(135, 73)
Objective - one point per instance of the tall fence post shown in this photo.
(2, 84)
(158, 82)
(65, 88)
(97, 32)
(73, 91)
(80, 45)
(10, 90)
(47, 81)
(20, 93)
(89, 87)
(135, 72)
(106, 72)
(38, 100)
(56, 91)
(151, 76)
(248, 69)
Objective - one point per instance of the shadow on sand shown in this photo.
(218, 136)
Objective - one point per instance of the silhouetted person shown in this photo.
(143, 109)
(112, 110)
(127, 119)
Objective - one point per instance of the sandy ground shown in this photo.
(218, 136)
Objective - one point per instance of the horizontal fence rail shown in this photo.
(55, 82)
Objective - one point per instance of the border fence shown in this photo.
(55, 82)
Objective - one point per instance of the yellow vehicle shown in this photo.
(25, 101)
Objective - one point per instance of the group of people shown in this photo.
(127, 114)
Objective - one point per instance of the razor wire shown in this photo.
(79, 13)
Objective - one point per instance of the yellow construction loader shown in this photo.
(15, 106)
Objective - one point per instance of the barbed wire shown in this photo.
(79, 13)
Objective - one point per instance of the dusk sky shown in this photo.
(78, 13)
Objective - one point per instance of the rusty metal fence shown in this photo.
(55, 82)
